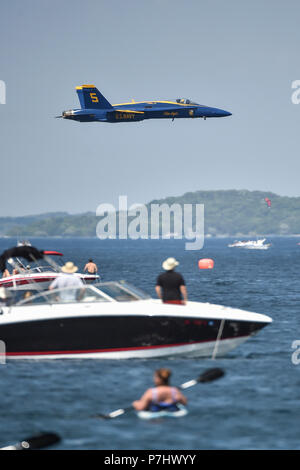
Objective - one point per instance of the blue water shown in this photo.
(255, 406)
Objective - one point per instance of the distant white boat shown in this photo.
(251, 244)
(24, 243)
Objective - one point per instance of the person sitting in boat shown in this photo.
(170, 285)
(27, 295)
(5, 273)
(68, 282)
(162, 396)
(91, 267)
(18, 270)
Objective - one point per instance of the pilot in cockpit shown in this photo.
(183, 101)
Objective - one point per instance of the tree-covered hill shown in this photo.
(227, 212)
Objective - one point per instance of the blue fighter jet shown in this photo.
(94, 107)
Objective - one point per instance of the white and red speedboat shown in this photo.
(37, 275)
(114, 320)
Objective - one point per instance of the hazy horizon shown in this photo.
(265, 193)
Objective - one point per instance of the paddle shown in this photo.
(35, 442)
(208, 376)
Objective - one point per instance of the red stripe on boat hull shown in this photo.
(93, 351)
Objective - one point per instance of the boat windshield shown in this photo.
(122, 291)
(67, 295)
(184, 101)
(104, 292)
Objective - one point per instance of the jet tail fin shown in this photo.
(91, 98)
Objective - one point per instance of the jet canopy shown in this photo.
(185, 101)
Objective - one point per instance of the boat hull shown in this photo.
(123, 337)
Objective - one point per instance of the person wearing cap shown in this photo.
(170, 285)
(67, 280)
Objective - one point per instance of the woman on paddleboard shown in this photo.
(162, 397)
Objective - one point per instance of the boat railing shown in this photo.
(41, 269)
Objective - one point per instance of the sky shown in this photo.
(238, 56)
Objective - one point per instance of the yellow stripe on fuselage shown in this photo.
(157, 102)
(129, 111)
(177, 104)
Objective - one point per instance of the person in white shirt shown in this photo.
(67, 281)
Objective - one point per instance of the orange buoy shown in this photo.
(206, 263)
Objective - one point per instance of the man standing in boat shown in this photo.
(67, 281)
(91, 267)
(170, 285)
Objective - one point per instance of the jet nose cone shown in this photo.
(223, 113)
